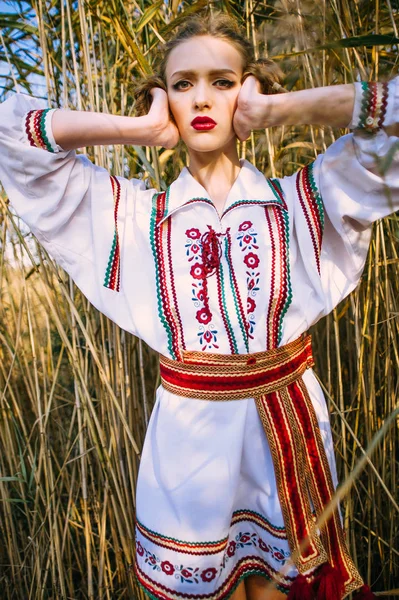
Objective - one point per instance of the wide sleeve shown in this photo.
(338, 197)
(83, 216)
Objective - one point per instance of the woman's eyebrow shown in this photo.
(188, 73)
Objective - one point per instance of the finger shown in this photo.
(159, 98)
(249, 88)
(241, 130)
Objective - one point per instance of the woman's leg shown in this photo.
(240, 593)
(259, 588)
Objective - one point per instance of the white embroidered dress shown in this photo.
(208, 512)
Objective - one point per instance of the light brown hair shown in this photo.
(222, 27)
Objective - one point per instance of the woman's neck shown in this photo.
(216, 172)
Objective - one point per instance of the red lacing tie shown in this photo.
(211, 251)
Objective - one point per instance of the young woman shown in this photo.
(222, 275)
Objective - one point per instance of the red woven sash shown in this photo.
(274, 379)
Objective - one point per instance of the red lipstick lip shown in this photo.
(201, 120)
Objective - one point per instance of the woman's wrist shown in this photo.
(77, 129)
(326, 106)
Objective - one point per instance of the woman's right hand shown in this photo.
(162, 131)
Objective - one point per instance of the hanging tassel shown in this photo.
(364, 593)
(301, 589)
(329, 584)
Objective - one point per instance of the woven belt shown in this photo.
(274, 379)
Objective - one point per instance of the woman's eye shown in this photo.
(183, 85)
(180, 85)
(225, 83)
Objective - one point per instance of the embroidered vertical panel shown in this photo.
(160, 237)
(247, 241)
(320, 483)
(236, 294)
(112, 273)
(35, 127)
(312, 207)
(295, 504)
(222, 304)
(280, 279)
(207, 333)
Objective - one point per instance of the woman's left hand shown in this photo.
(252, 109)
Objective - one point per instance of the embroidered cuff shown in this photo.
(371, 101)
(38, 129)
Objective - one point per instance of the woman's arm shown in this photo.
(327, 106)
(76, 129)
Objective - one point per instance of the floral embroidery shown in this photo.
(209, 574)
(245, 539)
(207, 332)
(193, 233)
(245, 225)
(203, 316)
(190, 574)
(246, 238)
(167, 567)
(208, 337)
(231, 549)
(263, 546)
(198, 271)
(251, 260)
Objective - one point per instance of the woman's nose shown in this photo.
(202, 96)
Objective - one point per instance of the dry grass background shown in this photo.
(76, 392)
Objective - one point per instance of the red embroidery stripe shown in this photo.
(248, 564)
(269, 335)
(315, 229)
(175, 342)
(163, 287)
(222, 311)
(384, 104)
(236, 290)
(252, 517)
(115, 270)
(282, 254)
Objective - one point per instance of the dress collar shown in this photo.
(250, 187)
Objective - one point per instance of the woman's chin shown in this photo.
(205, 143)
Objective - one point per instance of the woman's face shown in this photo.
(203, 80)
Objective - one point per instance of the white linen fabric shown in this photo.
(208, 512)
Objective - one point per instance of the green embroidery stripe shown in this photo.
(316, 196)
(155, 232)
(43, 130)
(112, 272)
(279, 195)
(244, 515)
(277, 200)
(191, 545)
(167, 215)
(222, 286)
(364, 109)
(287, 274)
(247, 566)
(108, 271)
(235, 293)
